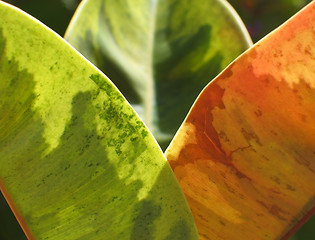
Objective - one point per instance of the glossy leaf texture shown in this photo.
(245, 155)
(76, 162)
(160, 54)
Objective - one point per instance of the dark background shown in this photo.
(259, 16)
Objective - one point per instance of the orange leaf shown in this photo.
(245, 155)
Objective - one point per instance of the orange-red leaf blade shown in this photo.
(245, 155)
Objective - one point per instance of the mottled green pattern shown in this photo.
(159, 53)
(74, 157)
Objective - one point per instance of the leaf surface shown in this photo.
(160, 54)
(76, 162)
(245, 155)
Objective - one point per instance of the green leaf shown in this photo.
(160, 54)
(75, 160)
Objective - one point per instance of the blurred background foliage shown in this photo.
(259, 16)
(263, 16)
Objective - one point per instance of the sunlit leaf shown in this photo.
(160, 54)
(245, 155)
(75, 160)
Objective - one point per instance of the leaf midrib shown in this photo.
(149, 71)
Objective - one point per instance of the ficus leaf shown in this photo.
(76, 162)
(245, 155)
(160, 54)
